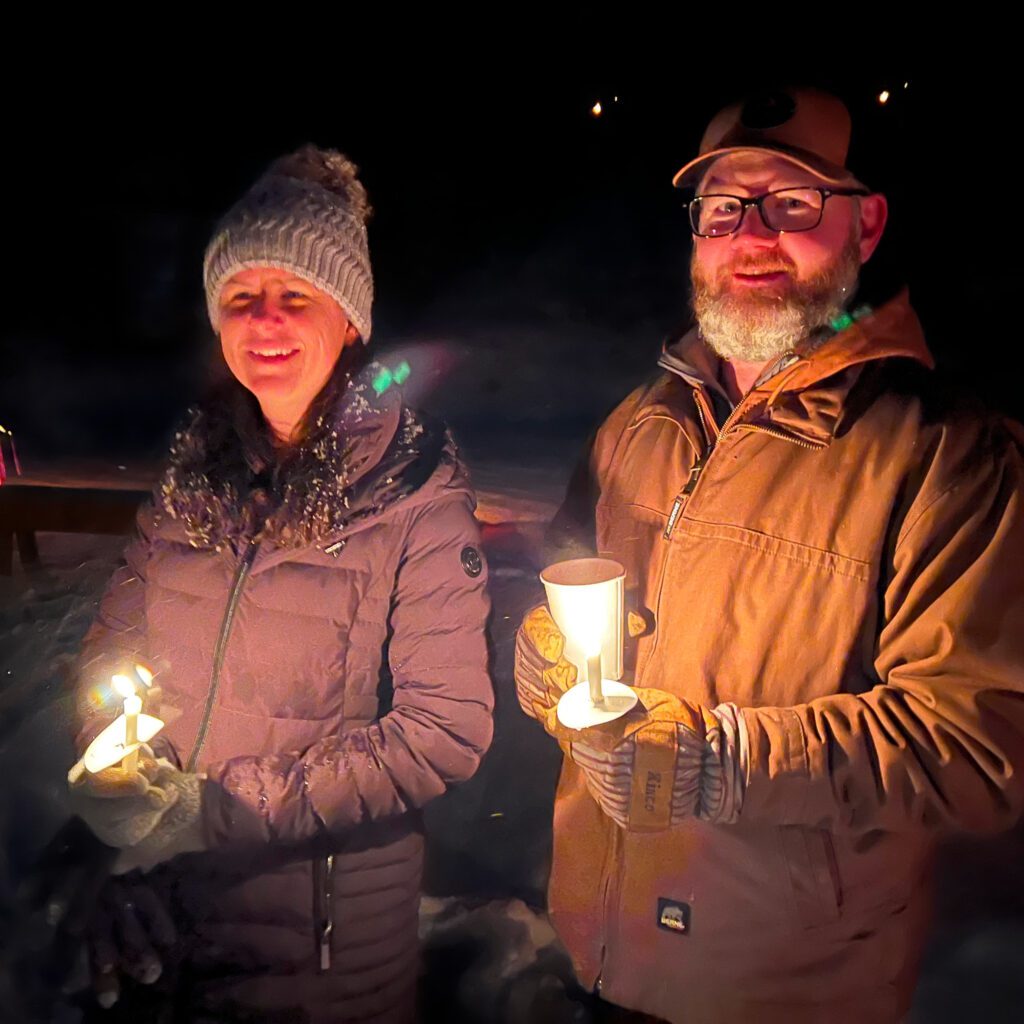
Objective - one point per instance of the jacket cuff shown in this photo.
(778, 770)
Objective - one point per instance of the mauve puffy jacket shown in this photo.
(272, 643)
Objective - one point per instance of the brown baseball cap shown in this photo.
(809, 127)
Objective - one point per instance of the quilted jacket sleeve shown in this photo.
(940, 742)
(440, 723)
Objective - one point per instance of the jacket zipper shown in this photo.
(241, 574)
(783, 436)
(698, 466)
(691, 481)
(610, 872)
(323, 909)
(696, 469)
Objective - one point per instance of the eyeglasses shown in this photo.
(785, 209)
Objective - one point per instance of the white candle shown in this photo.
(132, 710)
(594, 680)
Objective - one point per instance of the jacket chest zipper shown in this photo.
(241, 575)
(698, 467)
(691, 482)
(677, 508)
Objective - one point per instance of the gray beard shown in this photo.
(757, 329)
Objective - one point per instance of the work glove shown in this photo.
(542, 672)
(666, 760)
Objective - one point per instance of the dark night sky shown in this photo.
(499, 201)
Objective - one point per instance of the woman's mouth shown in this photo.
(270, 356)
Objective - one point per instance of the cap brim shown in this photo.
(689, 175)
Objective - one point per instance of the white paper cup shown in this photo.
(585, 596)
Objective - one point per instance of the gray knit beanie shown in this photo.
(307, 214)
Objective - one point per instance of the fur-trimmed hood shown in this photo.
(362, 456)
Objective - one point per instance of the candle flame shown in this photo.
(597, 109)
(883, 96)
(124, 686)
(144, 675)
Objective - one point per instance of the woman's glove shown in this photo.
(129, 935)
(151, 814)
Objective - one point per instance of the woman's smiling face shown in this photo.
(281, 337)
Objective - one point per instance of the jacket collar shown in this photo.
(366, 454)
(805, 396)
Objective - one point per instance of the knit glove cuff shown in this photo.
(711, 769)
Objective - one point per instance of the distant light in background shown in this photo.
(883, 96)
(906, 85)
(615, 99)
(597, 109)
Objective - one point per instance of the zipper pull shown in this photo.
(325, 946)
(691, 483)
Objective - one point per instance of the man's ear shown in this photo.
(874, 212)
(351, 335)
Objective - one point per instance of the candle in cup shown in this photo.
(132, 710)
(594, 679)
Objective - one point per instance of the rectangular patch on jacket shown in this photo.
(674, 916)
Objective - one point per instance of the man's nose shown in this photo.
(753, 232)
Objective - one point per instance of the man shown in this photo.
(824, 550)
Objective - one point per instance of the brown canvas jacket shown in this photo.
(845, 566)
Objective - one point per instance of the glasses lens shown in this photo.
(792, 209)
(715, 215)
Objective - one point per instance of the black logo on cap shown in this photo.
(767, 110)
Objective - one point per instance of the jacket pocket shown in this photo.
(814, 880)
(323, 909)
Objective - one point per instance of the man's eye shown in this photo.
(292, 295)
(794, 201)
(239, 297)
(723, 206)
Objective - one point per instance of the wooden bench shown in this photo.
(98, 500)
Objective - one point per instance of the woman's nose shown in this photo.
(264, 309)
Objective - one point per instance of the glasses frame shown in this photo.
(758, 201)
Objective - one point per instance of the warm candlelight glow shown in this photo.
(132, 709)
(144, 675)
(585, 596)
(123, 685)
(597, 109)
(883, 96)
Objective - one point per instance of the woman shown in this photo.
(310, 533)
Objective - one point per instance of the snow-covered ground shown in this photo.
(489, 953)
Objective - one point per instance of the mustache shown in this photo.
(767, 264)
